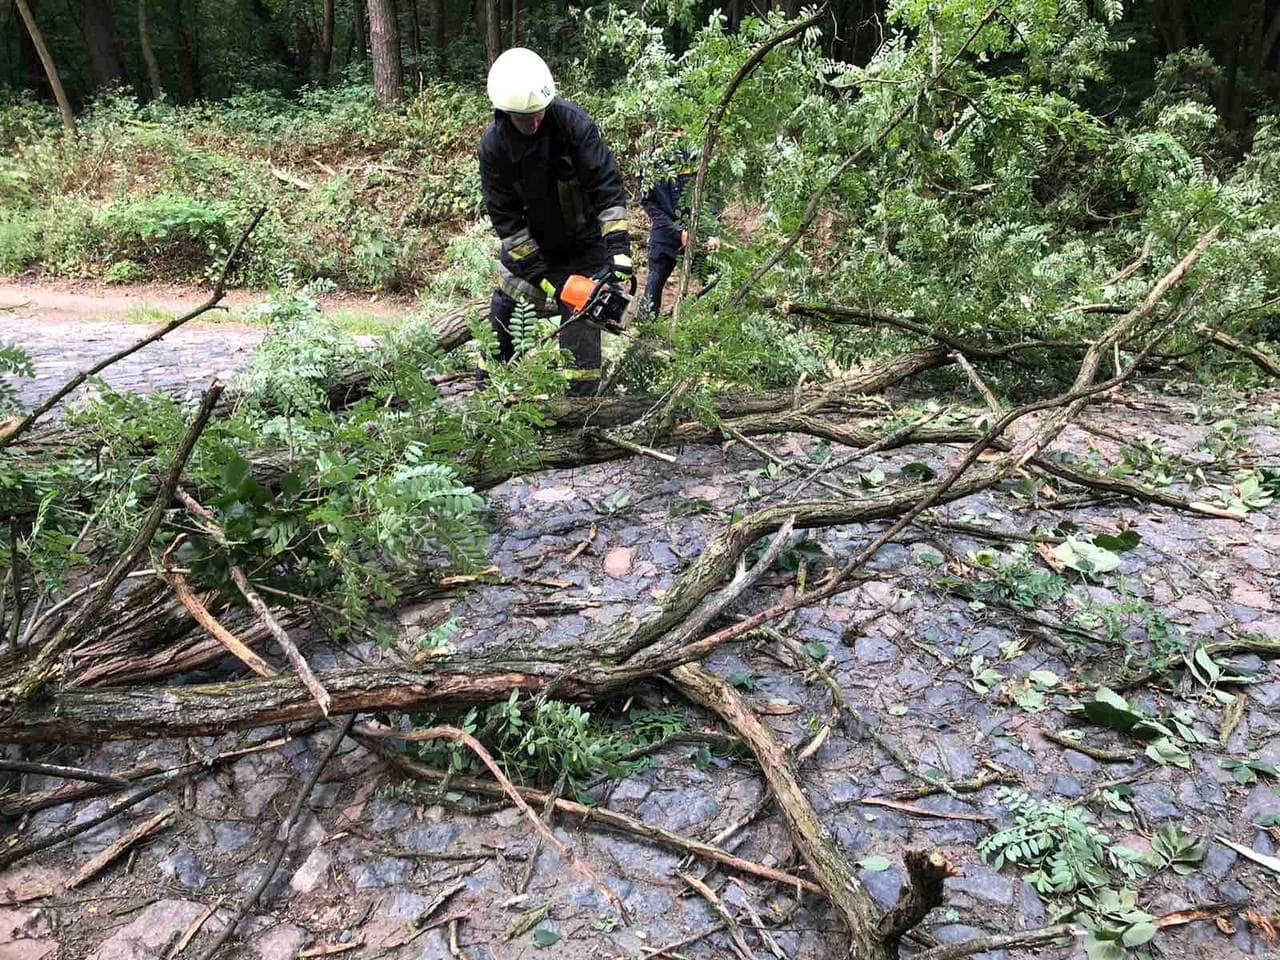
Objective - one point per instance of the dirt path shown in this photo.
(92, 300)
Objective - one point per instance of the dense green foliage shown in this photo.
(990, 202)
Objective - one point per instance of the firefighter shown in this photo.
(667, 207)
(556, 200)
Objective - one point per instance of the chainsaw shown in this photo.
(598, 301)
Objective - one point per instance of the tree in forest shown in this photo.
(384, 42)
(98, 27)
(148, 50)
(50, 68)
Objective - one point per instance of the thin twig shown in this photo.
(707, 894)
(622, 443)
(602, 815)
(1003, 941)
(978, 384)
(67, 773)
(21, 851)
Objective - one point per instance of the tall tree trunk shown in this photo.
(188, 66)
(326, 38)
(492, 28)
(50, 68)
(148, 52)
(415, 28)
(357, 14)
(99, 28)
(438, 30)
(1173, 25)
(515, 23)
(1262, 55)
(385, 44)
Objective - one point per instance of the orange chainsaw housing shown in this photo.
(577, 291)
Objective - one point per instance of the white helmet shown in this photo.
(520, 82)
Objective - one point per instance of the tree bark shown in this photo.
(1173, 25)
(492, 11)
(148, 51)
(99, 28)
(439, 33)
(326, 38)
(384, 38)
(357, 23)
(415, 28)
(50, 68)
(189, 86)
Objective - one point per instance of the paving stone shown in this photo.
(1156, 801)
(1031, 906)
(883, 885)
(955, 932)
(385, 872)
(25, 935)
(184, 867)
(433, 837)
(405, 905)
(229, 835)
(280, 941)
(100, 837)
(678, 810)
(1218, 860)
(313, 872)
(871, 649)
(983, 883)
(617, 562)
(387, 815)
(151, 931)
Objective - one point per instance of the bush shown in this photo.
(168, 226)
(19, 243)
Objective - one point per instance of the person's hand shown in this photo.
(623, 268)
(684, 239)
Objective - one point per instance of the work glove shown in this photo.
(620, 270)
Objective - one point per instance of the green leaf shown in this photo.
(919, 471)
(1043, 678)
(1086, 557)
(1138, 934)
(875, 864)
(816, 650)
(545, 938)
(1118, 544)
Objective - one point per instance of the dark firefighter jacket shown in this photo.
(666, 212)
(550, 195)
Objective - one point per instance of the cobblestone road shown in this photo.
(183, 362)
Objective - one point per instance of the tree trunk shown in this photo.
(415, 28)
(50, 68)
(326, 38)
(99, 28)
(1173, 25)
(492, 28)
(385, 44)
(357, 15)
(439, 34)
(515, 23)
(188, 66)
(148, 52)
